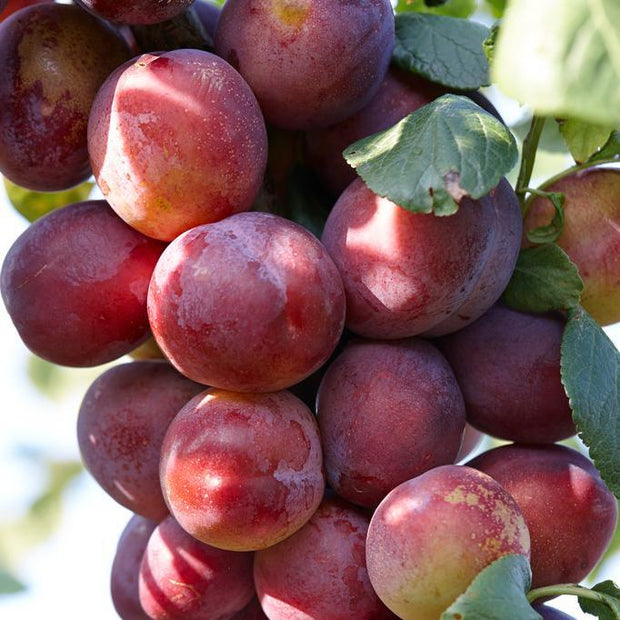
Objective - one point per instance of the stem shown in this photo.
(568, 588)
(528, 157)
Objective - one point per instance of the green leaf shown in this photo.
(33, 205)
(444, 151)
(590, 367)
(453, 8)
(9, 584)
(544, 279)
(446, 50)
(607, 610)
(500, 586)
(551, 232)
(610, 152)
(583, 139)
(562, 58)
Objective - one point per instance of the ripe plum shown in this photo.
(387, 411)
(8, 7)
(121, 426)
(432, 535)
(54, 58)
(311, 63)
(177, 139)
(508, 366)
(320, 571)
(75, 285)
(591, 235)
(252, 303)
(569, 511)
(550, 613)
(126, 568)
(399, 94)
(184, 579)
(208, 14)
(136, 11)
(242, 471)
(409, 273)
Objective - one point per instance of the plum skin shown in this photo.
(433, 534)
(136, 12)
(75, 285)
(121, 425)
(252, 303)
(399, 94)
(242, 471)
(8, 7)
(181, 578)
(570, 513)
(176, 140)
(320, 571)
(508, 366)
(407, 274)
(43, 119)
(591, 235)
(125, 572)
(387, 411)
(273, 43)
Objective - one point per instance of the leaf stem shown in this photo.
(528, 157)
(570, 589)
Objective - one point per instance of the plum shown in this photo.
(508, 366)
(408, 273)
(252, 303)
(208, 14)
(591, 235)
(399, 94)
(569, 511)
(387, 412)
(320, 571)
(550, 613)
(121, 426)
(184, 579)
(242, 471)
(126, 568)
(433, 534)
(137, 11)
(44, 115)
(177, 139)
(8, 7)
(311, 63)
(75, 285)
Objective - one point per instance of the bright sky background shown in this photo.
(68, 576)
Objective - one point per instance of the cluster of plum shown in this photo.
(292, 455)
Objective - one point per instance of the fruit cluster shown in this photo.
(293, 452)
